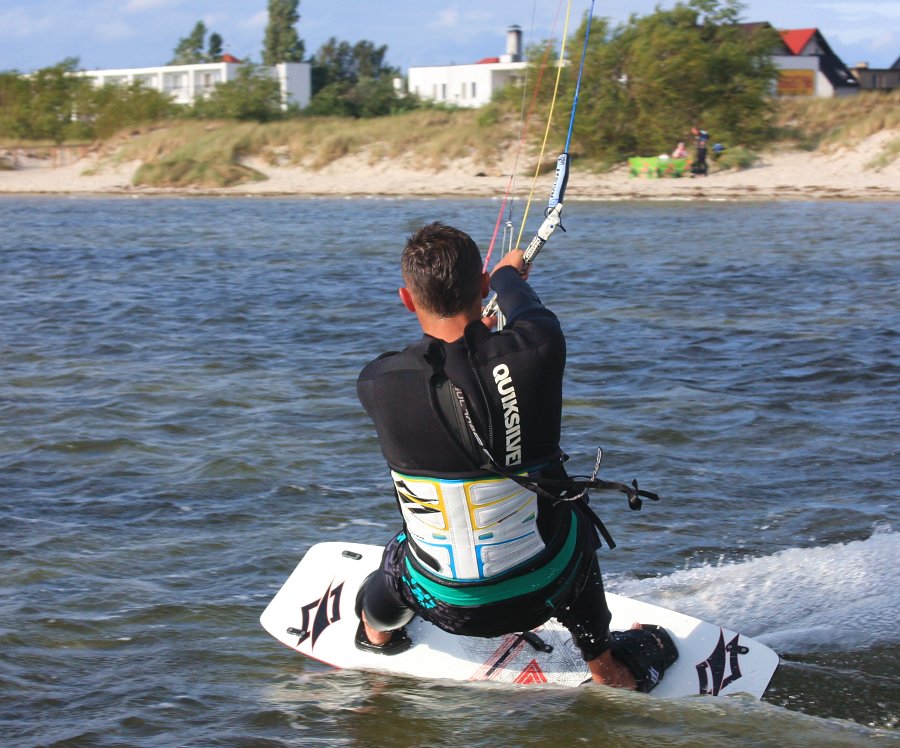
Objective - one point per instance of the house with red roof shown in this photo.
(809, 67)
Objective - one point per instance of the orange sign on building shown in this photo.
(796, 83)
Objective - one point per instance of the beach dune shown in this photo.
(839, 174)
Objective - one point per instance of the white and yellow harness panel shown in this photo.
(474, 529)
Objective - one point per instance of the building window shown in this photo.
(175, 83)
(443, 91)
(207, 80)
(474, 94)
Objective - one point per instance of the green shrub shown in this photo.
(253, 95)
(738, 157)
(188, 173)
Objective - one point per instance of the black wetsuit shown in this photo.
(700, 166)
(398, 392)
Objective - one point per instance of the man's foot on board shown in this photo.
(647, 651)
(395, 642)
(608, 671)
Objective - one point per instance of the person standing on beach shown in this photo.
(484, 549)
(701, 137)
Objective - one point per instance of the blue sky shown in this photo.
(143, 33)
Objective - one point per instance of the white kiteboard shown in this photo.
(313, 613)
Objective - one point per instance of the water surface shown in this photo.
(179, 423)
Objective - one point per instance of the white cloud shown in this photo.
(470, 20)
(114, 30)
(863, 23)
(138, 6)
(873, 35)
(19, 23)
(870, 11)
(258, 20)
(447, 19)
(889, 40)
(453, 25)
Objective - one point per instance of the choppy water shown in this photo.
(178, 423)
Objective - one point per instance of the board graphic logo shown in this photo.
(531, 675)
(711, 672)
(323, 617)
(494, 666)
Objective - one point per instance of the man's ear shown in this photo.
(485, 285)
(407, 299)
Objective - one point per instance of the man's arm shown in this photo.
(515, 296)
(514, 258)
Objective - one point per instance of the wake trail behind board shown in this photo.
(313, 613)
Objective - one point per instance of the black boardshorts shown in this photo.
(576, 599)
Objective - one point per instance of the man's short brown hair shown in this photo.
(442, 269)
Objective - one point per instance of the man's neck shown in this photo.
(448, 329)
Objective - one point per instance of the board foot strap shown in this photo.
(399, 642)
(647, 652)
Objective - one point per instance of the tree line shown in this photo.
(655, 77)
(348, 80)
(646, 83)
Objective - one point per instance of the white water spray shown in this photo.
(843, 596)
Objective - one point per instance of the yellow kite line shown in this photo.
(559, 68)
(524, 120)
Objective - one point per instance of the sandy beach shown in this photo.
(838, 174)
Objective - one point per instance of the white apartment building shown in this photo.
(471, 85)
(184, 83)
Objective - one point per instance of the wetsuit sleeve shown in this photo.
(515, 296)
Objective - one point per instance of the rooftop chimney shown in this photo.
(514, 43)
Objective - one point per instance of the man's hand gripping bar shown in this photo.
(552, 219)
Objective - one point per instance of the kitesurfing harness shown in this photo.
(450, 403)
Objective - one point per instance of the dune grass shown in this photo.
(205, 153)
(814, 123)
(889, 153)
(180, 154)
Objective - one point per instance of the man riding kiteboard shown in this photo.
(496, 537)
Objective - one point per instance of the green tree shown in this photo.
(53, 92)
(41, 106)
(282, 43)
(648, 81)
(15, 95)
(56, 103)
(104, 110)
(253, 95)
(214, 51)
(354, 81)
(189, 49)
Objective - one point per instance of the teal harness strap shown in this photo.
(483, 594)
